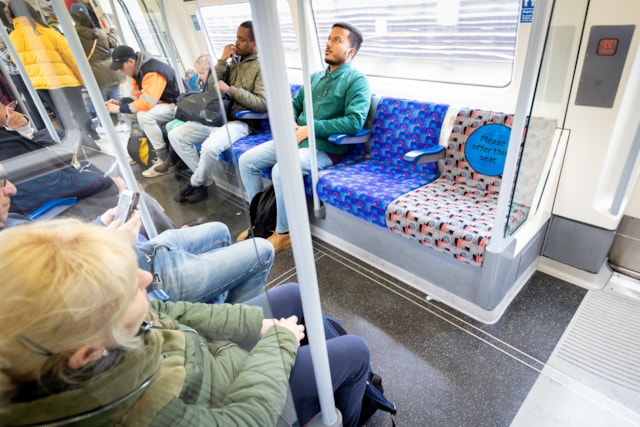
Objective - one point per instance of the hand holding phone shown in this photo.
(126, 205)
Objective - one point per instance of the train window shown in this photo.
(222, 23)
(454, 41)
(140, 22)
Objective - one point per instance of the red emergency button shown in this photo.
(607, 47)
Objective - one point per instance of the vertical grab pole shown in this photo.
(308, 103)
(269, 39)
(531, 69)
(118, 26)
(101, 110)
(170, 46)
(27, 82)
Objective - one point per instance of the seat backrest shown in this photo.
(455, 165)
(402, 125)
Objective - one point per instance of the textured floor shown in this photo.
(439, 367)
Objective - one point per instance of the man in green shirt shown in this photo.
(341, 100)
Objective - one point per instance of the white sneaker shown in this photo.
(103, 145)
(100, 130)
(122, 127)
(152, 172)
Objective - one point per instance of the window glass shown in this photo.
(456, 41)
(221, 22)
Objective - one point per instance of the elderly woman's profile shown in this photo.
(80, 342)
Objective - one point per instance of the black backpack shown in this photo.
(139, 147)
(263, 212)
(374, 398)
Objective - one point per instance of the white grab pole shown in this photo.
(271, 54)
(101, 110)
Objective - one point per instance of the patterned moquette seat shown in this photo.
(365, 189)
(455, 213)
(248, 142)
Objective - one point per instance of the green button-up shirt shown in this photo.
(341, 101)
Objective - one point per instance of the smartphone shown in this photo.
(126, 205)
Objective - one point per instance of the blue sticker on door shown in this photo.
(526, 13)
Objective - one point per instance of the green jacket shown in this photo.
(194, 370)
(341, 101)
(245, 80)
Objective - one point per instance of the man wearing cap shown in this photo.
(154, 92)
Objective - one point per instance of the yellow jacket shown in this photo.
(45, 55)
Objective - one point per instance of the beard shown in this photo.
(334, 61)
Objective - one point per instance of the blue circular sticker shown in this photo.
(486, 148)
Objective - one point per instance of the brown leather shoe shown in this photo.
(280, 241)
(243, 236)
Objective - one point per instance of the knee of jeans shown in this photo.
(265, 250)
(211, 151)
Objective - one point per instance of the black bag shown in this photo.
(139, 147)
(263, 212)
(203, 107)
(374, 398)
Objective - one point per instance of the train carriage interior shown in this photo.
(482, 235)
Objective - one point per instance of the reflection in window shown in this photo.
(461, 41)
(221, 22)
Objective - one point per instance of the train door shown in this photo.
(600, 168)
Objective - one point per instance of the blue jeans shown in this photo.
(150, 122)
(215, 140)
(348, 361)
(199, 263)
(264, 156)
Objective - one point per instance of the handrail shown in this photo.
(101, 110)
(318, 210)
(27, 82)
(625, 176)
(269, 37)
(174, 57)
(531, 67)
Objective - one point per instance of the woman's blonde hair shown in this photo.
(203, 59)
(65, 284)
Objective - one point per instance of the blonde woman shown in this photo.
(80, 342)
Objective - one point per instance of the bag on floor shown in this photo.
(139, 147)
(374, 398)
(263, 212)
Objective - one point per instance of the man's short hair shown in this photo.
(355, 36)
(120, 55)
(249, 26)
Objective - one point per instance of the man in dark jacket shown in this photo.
(153, 95)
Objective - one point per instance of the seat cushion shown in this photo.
(366, 188)
(455, 213)
(450, 217)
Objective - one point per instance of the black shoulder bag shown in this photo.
(204, 107)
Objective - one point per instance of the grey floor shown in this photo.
(439, 367)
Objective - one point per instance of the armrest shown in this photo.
(52, 208)
(359, 137)
(250, 114)
(426, 155)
